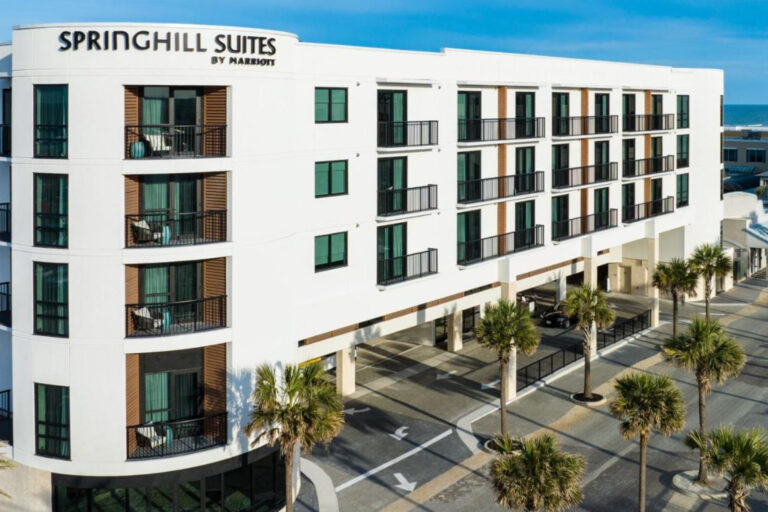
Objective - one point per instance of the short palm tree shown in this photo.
(645, 403)
(675, 278)
(540, 478)
(590, 306)
(507, 326)
(5, 464)
(741, 456)
(299, 407)
(712, 356)
(709, 260)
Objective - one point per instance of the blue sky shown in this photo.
(696, 33)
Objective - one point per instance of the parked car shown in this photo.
(556, 317)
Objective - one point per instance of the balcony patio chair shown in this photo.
(158, 142)
(145, 322)
(144, 233)
(150, 435)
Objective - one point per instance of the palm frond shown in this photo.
(506, 326)
(646, 402)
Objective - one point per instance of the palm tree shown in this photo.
(675, 278)
(5, 464)
(300, 407)
(590, 306)
(712, 356)
(507, 326)
(540, 478)
(741, 456)
(709, 260)
(644, 403)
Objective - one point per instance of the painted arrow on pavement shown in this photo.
(491, 385)
(404, 484)
(400, 433)
(353, 411)
(443, 376)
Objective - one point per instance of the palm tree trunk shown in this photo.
(587, 366)
(504, 398)
(289, 481)
(707, 293)
(702, 479)
(736, 496)
(674, 314)
(643, 453)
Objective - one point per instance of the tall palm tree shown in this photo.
(507, 326)
(590, 306)
(712, 356)
(675, 278)
(709, 260)
(299, 407)
(540, 478)
(742, 456)
(5, 464)
(644, 403)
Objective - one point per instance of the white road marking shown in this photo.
(404, 484)
(384, 466)
(443, 376)
(490, 385)
(353, 411)
(400, 433)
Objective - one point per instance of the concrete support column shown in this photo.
(509, 291)
(613, 277)
(590, 271)
(560, 289)
(652, 291)
(453, 328)
(345, 371)
(512, 376)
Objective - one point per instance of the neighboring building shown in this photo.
(745, 228)
(189, 202)
(744, 153)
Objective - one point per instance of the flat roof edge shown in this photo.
(106, 24)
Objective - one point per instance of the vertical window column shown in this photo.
(51, 121)
(51, 299)
(51, 210)
(52, 421)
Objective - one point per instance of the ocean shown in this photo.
(746, 115)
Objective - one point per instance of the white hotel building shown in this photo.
(190, 201)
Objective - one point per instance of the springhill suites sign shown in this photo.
(232, 49)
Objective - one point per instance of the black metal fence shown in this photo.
(167, 229)
(648, 122)
(175, 141)
(181, 317)
(407, 133)
(404, 268)
(499, 245)
(642, 211)
(407, 200)
(576, 176)
(570, 228)
(584, 125)
(623, 328)
(5, 222)
(5, 304)
(479, 130)
(487, 189)
(645, 166)
(5, 140)
(167, 438)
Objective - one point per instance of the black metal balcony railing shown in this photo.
(588, 175)
(407, 133)
(648, 122)
(167, 229)
(5, 222)
(167, 438)
(407, 200)
(175, 141)
(405, 268)
(481, 130)
(642, 211)
(488, 189)
(653, 165)
(5, 304)
(496, 246)
(6, 417)
(182, 317)
(571, 228)
(5, 140)
(584, 125)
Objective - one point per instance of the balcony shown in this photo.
(589, 175)
(5, 304)
(571, 228)
(174, 229)
(405, 268)
(175, 141)
(6, 417)
(182, 317)
(407, 134)
(648, 122)
(647, 210)
(488, 189)
(5, 222)
(5, 140)
(477, 251)
(168, 438)
(645, 166)
(407, 200)
(589, 125)
(486, 130)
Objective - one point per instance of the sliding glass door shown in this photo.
(525, 113)
(171, 205)
(525, 165)
(525, 220)
(468, 236)
(468, 176)
(391, 251)
(393, 114)
(560, 113)
(560, 217)
(469, 116)
(601, 208)
(393, 180)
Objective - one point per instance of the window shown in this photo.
(171, 386)
(391, 251)
(51, 299)
(731, 154)
(628, 202)
(51, 115)
(682, 190)
(469, 116)
(5, 123)
(721, 110)
(682, 151)
(468, 236)
(51, 210)
(330, 178)
(682, 111)
(330, 105)
(756, 156)
(393, 185)
(52, 421)
(330, 251)
(560, 112)
(468, 176)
